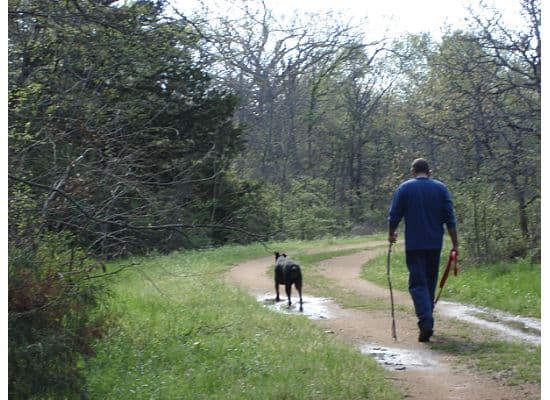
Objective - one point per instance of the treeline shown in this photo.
(119, 144)
(135, 128)
(334, 121)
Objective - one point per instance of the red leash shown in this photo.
(453, 258)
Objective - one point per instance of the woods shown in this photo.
(134, 128)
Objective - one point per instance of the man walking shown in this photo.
(426, 205)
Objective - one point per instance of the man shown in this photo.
(426, 206)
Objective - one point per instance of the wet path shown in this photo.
(315, 308)
(507, 326)
(414, 367)
(346, 270)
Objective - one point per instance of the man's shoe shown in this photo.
(425, 335)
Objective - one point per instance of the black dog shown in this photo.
(287, 273)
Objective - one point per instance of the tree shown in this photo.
(117, 139)
(128, 127)
(284, 72)
(488, 130)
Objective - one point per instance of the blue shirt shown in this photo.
(426, 205)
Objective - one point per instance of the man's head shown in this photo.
(420, 167)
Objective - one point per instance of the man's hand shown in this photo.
(392, 238)
(454, 239)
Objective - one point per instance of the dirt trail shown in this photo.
(433, 375)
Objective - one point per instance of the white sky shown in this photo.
(399, 16)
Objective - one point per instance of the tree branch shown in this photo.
(131, 226)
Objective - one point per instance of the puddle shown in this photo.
(397, 359)
(313, 307)
(510, 326)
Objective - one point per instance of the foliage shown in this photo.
(114, 130)
(488, 228)
(51, 325)
(193, 336)
(50, 303)
(119, 118)
(355, 115)
(133, 117)
(305, 211)
(240, 202)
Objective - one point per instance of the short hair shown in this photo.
(421, 166)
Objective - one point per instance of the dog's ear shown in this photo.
(277, 254)
(284, 255)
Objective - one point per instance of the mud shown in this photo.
(417, 370)
(399, 359)
(509, 327)
(313, 307)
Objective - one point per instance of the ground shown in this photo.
(417, 370)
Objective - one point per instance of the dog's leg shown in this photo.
(299, 288)
(277, 292)
(288, 288)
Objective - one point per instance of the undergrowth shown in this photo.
(179, 332)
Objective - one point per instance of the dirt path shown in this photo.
(427, 374)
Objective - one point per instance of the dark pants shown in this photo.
(423, 268)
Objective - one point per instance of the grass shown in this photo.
(513, 287)
(323, 286)
(177, 331)
(513, 363)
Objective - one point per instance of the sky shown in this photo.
(400, 16)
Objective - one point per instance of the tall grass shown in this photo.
(513, 286)
(178, 331)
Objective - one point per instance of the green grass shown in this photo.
(177, 331)
(513, 363)
(512, 287)
(323, 286)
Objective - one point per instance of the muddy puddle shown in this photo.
(396, 359)
(313, 307)
(510, 327)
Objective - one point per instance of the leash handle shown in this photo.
(453, 258)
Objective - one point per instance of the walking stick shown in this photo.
(393, 331)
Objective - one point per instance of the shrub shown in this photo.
(488, 225)
(50, 316)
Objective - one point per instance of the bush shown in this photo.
(306, 211)
(50, 316)
(488, 225)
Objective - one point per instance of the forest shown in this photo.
(134, 129)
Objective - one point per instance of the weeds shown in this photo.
(195, 337)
